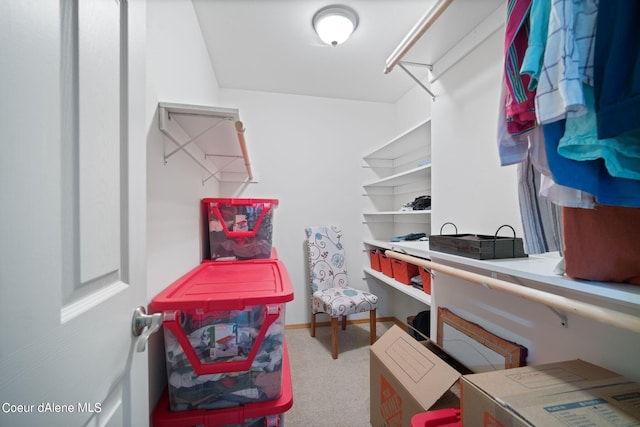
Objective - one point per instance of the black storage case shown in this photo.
(478, 246)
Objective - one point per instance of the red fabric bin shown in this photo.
(425, 275)
(385, 265)
(245, 415)
(374, 258)
(403, 271)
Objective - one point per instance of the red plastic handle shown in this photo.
(250, 233)
(219, 367)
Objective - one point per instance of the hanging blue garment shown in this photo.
(621, 154)
(617, 67)
(590, 176)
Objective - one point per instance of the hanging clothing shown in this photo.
(538, 30)
(617, 69)
(559, 94)
(580, 142)
(548, 188)
(512, 149)
(589, 176)
(519, 102)
(540, 218)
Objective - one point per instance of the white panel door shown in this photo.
(72, 213)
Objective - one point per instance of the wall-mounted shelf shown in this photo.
(403, 178)
(213, 137)
(418, 249)
(404, 149)
(388, 213)
(391, 217)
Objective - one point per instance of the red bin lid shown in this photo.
(227, 285)
(241, 202)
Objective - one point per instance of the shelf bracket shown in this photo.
(561, 315)
(213, 117)
(221, 169)
(402, 64)
(181, 147)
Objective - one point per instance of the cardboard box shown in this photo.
(571, 393)
(407, 378)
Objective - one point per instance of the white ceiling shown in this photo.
(270, 45)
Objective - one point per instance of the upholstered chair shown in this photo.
(331, 293)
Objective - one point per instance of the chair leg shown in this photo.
(372, 326)
(344, 322)
(334, 337)
(313, 324)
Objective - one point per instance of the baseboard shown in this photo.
(349, 322)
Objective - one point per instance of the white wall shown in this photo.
(178, 70)
(307, 152)
(470, 188)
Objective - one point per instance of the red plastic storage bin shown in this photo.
(224, 333)
(448, 417)
(239, 228)
(425, 275)
(374, 258)
(403, 271)
(385, 265)
(261, 414)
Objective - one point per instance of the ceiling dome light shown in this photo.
(334, 24)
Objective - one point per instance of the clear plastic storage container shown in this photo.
(224, 333)
(239, 228)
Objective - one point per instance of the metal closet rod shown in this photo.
(416, 32)
(567, 305)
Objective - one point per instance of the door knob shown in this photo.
(143, 325)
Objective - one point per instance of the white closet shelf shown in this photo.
(415, 293)
(402, 178)
(539, 268)
(411, 140)
(213, 137)
(418, 249)
(386, 213)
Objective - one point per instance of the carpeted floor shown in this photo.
(327, 392)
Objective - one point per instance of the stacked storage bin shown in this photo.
(239, 228)
(227, 363)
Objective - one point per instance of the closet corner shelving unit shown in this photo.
(213, 137)
(403, 170)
